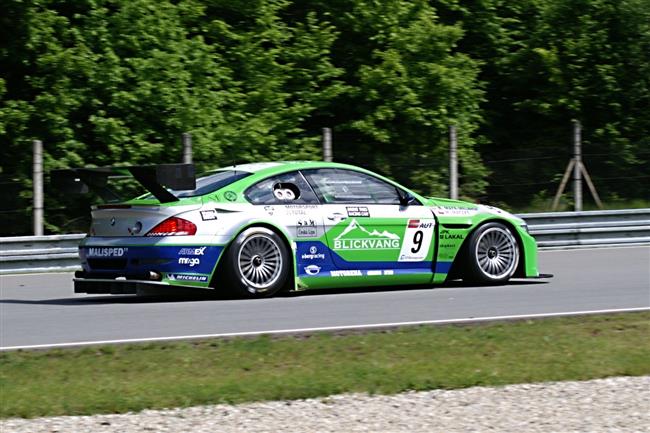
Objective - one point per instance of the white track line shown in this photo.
(326, 328)
(591, 247)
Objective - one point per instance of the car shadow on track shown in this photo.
(447, 285)
(212, 296)
(111, 299)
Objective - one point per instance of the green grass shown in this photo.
(113, 379)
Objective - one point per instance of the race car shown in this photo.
(257, 229)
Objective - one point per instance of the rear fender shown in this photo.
(284, 235)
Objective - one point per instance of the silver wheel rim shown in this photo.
(497, 253)
(260, 262)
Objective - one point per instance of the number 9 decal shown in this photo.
(417, 240)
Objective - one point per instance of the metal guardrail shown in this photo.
(589, 228)
(24, 254)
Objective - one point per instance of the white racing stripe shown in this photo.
(324, 329)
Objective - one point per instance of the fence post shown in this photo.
(453, 163)
(577, 167)
(187, 147)
(37, 175)
(327, 145)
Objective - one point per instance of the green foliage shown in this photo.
(117, 82)
(105, 82)
(407, 84)
(548, 62)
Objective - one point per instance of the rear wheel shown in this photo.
(492, 255)
(258, 263)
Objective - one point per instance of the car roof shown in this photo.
(282, 166)
(252, 167)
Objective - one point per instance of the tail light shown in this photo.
(174, 226)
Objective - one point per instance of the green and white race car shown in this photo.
(256, 229)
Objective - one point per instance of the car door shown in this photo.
(290, 201)
(367, 230)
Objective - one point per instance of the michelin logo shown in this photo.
(186, 277)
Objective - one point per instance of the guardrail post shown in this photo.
(38, 187)
(577, 166)
(453, 163)
(327, 145)
(187, 147)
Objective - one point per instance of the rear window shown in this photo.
(211, 182)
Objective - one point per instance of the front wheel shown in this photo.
(492, 255)
(258, 263)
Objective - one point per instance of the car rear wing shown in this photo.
(157, 179)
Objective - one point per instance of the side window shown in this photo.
(287, 188)
(347, 186)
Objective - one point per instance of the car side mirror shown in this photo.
(405, 199)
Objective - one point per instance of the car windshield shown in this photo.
(210, 182)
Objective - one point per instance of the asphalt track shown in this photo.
(41, 310)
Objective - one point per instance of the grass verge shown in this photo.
(114, 379)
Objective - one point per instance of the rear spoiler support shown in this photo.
(155, 178)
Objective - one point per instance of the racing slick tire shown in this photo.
(257, 263)
(492, 255)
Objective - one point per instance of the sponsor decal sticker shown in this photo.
(417, 240)
(357, 211)
(230, 195)
(209, 215)
(374, 273)
(269, 210)
(187, 277)
(298, 209)
(347, 273)
(106, 252)
(446, 235)
(312, 270)
(313, 254)
(192, 251)
(455, 210)
(357, 237)
(306, 232)
(192, 261)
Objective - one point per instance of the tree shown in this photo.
(408, 84)
(117, 81)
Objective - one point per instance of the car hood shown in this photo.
(457, 208)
